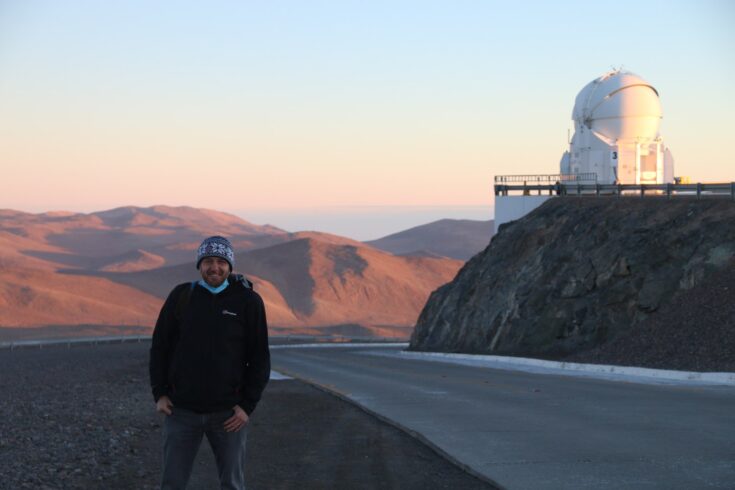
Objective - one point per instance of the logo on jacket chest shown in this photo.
(228, 312)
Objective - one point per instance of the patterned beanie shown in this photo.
(216, 246)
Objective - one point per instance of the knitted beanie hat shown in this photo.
(216, 246)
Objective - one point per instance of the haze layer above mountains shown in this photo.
(108, 272)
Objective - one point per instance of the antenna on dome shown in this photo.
(617, 69)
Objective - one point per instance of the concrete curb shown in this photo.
(338, 345)
(279, 376)
(572, 368)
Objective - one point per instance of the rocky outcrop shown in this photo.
(696, 332)
(576, 273)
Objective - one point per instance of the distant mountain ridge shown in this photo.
(455, 238)
(115, 267)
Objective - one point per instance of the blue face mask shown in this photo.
(212, 290)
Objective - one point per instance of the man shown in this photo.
(209, 364)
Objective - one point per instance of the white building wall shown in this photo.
(509, 208)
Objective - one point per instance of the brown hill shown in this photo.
(456, 238)
(171, 233)
(326, 283)
(326, 238)
(51, 263)
(36, 297)
(115, 267)
(134, 261)
(308, 282)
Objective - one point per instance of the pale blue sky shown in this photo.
(305, 108)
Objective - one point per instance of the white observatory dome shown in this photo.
(618, 106)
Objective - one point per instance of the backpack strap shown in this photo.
(183, 300)
(242, 280)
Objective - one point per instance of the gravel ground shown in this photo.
(83, 418)
(696, 332)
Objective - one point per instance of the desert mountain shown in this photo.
(50, 263)
(309, 282)
(115, 268)
(458, 239)
(88, 240)
(326, 283)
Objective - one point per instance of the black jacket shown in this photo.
(210, 351)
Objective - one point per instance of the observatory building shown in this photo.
(616, 141)
(616, 133)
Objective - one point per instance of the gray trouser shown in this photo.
(182, 436)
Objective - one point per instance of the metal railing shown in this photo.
(276, 339)
(699, 190)
(589, 177)
(68, 342)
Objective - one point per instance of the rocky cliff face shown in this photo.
(576, 273)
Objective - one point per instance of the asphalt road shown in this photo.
(539, 431)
